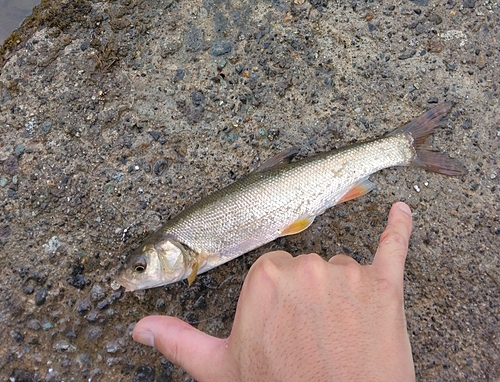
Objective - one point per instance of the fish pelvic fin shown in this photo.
(194, 272)
(426, 156)
(360, 188)
(297, 226)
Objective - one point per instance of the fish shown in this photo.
(282, 197)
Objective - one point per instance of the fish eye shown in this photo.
(140, 265)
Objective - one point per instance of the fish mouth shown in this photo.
(127, 284)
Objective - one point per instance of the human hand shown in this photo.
(305, 319)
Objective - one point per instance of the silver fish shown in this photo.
(276, 200)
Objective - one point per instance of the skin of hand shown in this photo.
(305, 319)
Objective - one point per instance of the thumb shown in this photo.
(393, 245)
(196, 352)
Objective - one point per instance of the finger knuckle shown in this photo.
(264, 269)
(393, 238)
(353, 271)
(312, 265)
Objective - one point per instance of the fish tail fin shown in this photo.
(426, 156)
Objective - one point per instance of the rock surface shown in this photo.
(117, 115)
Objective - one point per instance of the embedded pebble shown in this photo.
(96, 293)
(144, 373)
(41, 296)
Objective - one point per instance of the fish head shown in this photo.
(156, 263)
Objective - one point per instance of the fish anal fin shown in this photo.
(360, 188)
(279, 160)
(297, 226)
(194, 272)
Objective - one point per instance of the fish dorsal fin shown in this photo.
(298, 225)
(279, 160)
(360, 188)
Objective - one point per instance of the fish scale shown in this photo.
(277, 200)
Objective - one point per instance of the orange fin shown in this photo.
(362, 187)
(297, 226)
(193, 273)
(279, 160)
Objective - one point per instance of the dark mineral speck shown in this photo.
(197, 98)
(144, 373)
(18, 337)
(76, 278)
(29, 289)
(407, 55)
(155, 134)
(160, 166)
(41, 296)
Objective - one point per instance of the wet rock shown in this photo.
(41, 296)
(144, 373)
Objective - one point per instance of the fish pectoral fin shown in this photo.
(298, 226)
(360, 188)
(194, 272)
(279, 160)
